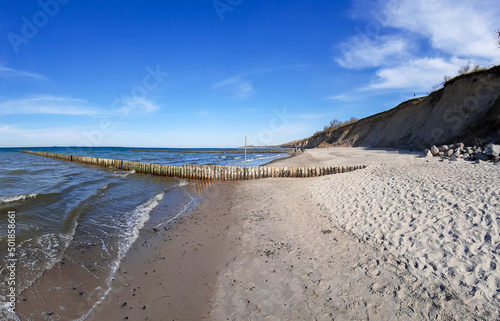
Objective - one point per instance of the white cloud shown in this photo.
(7, 72)
(347, 97)
(414, 43)
(238, 87)
(14, 136)
(47, 105)
(56, 105)
(139, 103)
(362, 52)
(458, 27)
(337, 97)
(418, 74)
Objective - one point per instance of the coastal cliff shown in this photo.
(466, 109)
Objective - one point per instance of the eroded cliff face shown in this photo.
(466, 109)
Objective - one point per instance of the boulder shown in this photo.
(469, 150)
(456, 153)
(441, 153)
(451, 146)
(443, 148)
(449, 152)
(481, 156)
(492, 150)
(460, 145)
(435, 151)
(426, 153)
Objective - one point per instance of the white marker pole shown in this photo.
(245, 157)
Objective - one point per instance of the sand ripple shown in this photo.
(441, 218)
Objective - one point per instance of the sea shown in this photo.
(67, 226)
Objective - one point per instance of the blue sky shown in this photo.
(208, 73)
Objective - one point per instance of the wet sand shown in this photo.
(170, 273)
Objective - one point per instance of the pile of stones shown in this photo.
(490, 152)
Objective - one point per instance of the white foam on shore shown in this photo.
(40, 254)
(182, 212)
(4, 311)
(15, 198)
(139, 216)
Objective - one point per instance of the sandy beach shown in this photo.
(407, 238)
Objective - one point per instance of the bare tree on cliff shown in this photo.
(497, 34)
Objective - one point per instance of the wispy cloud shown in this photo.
(237, 87)
(336, 97)
(6, 72)
(138, 103)
(38, 137)
(48, 105)
(361, 52)
(418, 74)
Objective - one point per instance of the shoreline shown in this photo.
(167, 240)
(172, 271)
(282, 248)
(275, 161)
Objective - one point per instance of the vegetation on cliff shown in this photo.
(467, 108)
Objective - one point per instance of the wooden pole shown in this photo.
(202, 172)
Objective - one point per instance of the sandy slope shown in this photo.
(441, 218)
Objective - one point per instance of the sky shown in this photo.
(205, 73)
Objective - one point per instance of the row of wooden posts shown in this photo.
(203, 172)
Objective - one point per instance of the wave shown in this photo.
(186, 209)
(15, 198)
(40, 254)
(123, 173)
(140, 215)
(4, 311)
(18, 172)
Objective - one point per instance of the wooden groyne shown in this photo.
(202, 172)
(212, 151)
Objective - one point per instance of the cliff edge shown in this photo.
(467, 108)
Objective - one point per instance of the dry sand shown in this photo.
(405, 239)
